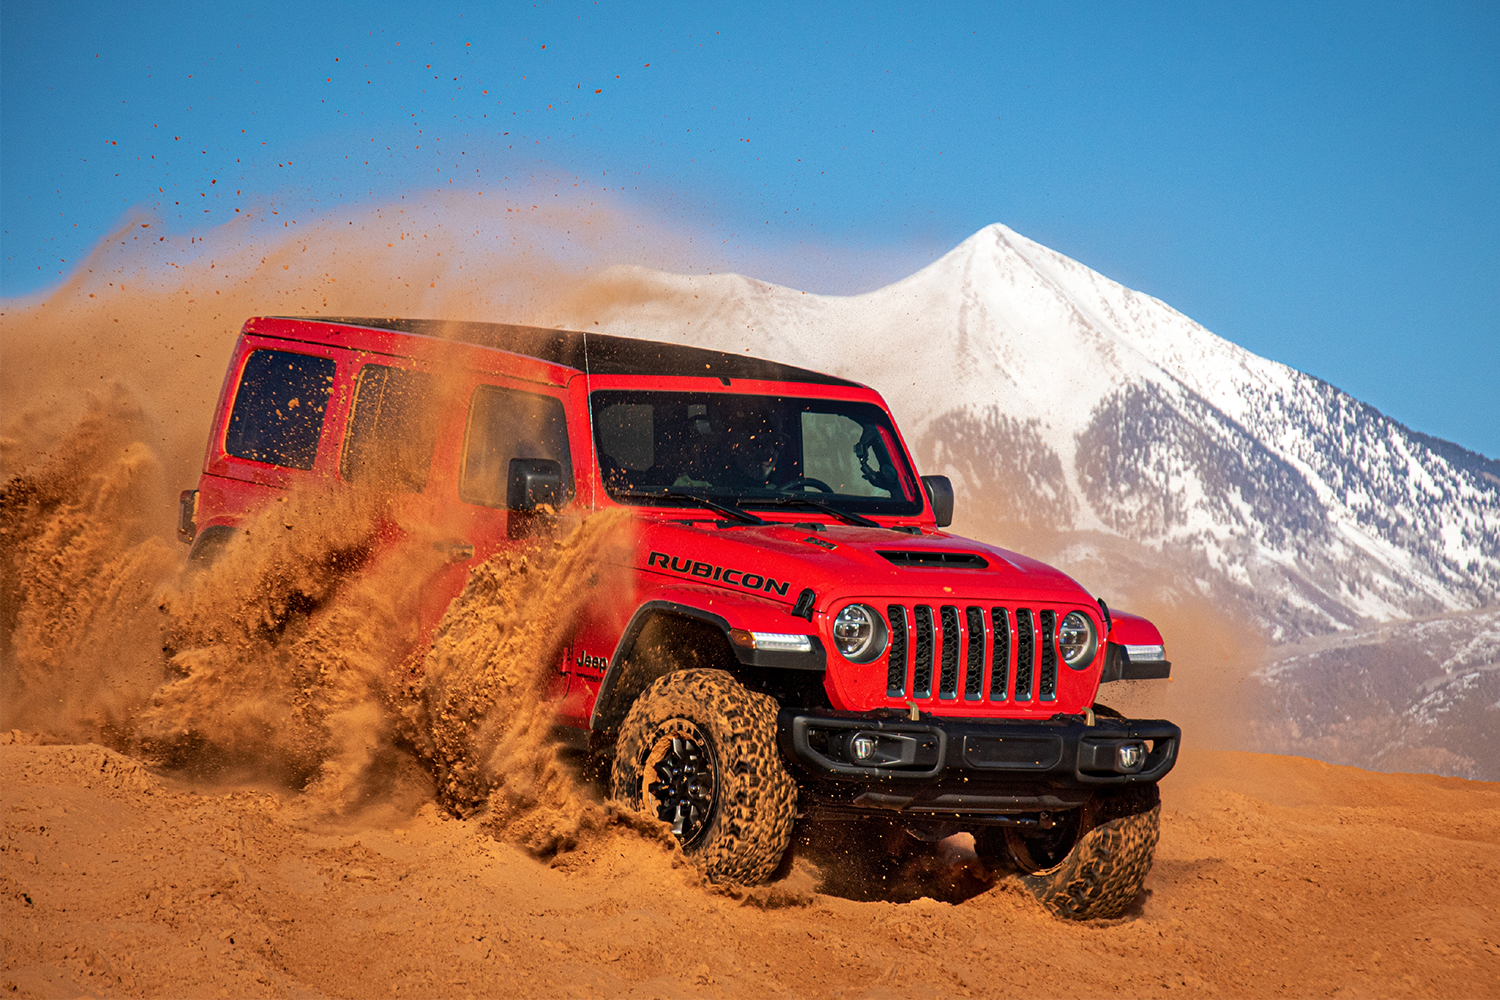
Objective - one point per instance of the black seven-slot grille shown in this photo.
(963, 648)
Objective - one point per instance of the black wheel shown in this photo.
(806, 481)
(1093, 862)
(681, 782)
(698, 751)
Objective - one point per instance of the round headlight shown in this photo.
(1075, 639)
(860, 633)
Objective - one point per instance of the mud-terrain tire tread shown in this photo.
(1104, 872)
(757, 799)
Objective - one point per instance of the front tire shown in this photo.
(1092, 864)
(698, 751)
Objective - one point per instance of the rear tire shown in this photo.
(1093, 863)
(698, 750)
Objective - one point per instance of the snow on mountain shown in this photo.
(1062, 401)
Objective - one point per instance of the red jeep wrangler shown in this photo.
(819, 645)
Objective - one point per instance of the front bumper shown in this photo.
(970, 768)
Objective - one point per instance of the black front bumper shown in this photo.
(969, 768)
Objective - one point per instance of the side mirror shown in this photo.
(940, 493)
(534, 482)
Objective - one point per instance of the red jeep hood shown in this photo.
(847, 559)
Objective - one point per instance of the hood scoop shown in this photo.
(935, 559)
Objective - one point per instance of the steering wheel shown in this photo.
(806, 481)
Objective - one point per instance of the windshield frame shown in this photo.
(766, 499)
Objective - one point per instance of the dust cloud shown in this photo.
(282, 651)
(81, 562)
(480, 710)
(291, 656)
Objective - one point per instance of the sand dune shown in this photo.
(1276, 876)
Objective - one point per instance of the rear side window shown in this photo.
(391, 430)
(506, 424)
(279, 408)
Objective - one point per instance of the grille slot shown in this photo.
(948, 678)
(921, 683)
(1000, 654)
(1025, 653)
(1047, 682)
(974, 663)
(895, 672)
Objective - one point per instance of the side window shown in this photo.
(506, 424)
(278, 410)
(391, 430)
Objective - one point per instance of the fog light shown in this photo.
(1129, 757)
(863, 747)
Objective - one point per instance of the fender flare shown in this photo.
(617, 691)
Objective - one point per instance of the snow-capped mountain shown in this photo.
(1063, 402)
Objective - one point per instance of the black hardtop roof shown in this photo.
(606, 355)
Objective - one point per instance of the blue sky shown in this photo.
(1319, 183)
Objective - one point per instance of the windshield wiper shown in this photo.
(743, 516)
(843, 515)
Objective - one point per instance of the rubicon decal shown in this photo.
(717, 574)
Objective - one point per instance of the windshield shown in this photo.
(742, 449)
